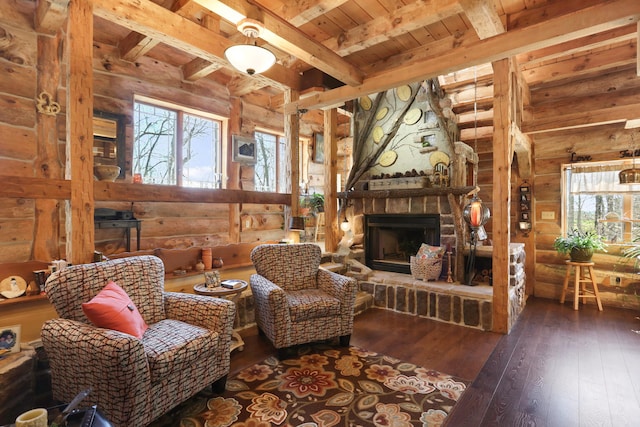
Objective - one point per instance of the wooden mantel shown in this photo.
(409, 192)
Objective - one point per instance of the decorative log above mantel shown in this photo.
(409, 192)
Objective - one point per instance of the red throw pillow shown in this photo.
(113, 309)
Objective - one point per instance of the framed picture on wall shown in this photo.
(318, 147)
(244, 149)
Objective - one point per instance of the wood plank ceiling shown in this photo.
(333, 51)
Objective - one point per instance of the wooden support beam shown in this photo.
(80, 232)
(150, 19)
(284, 36)
(501, 212)
(591, 19)
(483, 17)
(47, 165)
(60, 189)
(198, 67)
(292, 136)
(332, 230)
(51, 15)
(234, 168)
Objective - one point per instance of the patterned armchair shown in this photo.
(134, 381)
(296, 301)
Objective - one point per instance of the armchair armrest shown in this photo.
(338, 286)
(267, 292)
(216, 314)
(86, 355)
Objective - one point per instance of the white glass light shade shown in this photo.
(250, 59)
(345, 226)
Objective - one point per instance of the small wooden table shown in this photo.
(231, 295)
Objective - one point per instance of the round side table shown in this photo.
(231, 295)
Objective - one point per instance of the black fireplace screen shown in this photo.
(391, 239)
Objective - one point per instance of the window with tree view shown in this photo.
(594, 200)
(174, 146)
(269, 168)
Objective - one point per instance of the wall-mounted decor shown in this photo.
(524, 223)
(244, 149)
(9, 339)
(318, 147)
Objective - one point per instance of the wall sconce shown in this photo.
(476, 214)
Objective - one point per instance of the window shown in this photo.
(177, 146)
(594, 200)
(270, 172)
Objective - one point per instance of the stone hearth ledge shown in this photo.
(480, 292)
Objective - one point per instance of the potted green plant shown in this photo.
(580, 245)
(316, 201)
(305, 205)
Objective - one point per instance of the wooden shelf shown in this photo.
(22, 299)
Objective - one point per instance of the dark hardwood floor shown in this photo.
(558, 367)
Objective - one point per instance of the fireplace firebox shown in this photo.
(391, 239)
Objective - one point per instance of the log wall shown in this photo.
(33, 62)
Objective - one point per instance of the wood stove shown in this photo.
(391, 239)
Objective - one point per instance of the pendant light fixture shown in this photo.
(631, 175)
(249, 57)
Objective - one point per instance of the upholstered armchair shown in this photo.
(135, 380)
(298, 302)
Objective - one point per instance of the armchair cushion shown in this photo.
(311, 304)
(112, 308)
(172, 346)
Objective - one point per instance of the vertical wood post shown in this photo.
(331, 238)
(292, 135)
(503, 93)
(79, 209)
(233, 168)
(48, 163)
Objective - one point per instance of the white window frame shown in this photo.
(224, 125)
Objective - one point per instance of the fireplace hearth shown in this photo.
(391, 239)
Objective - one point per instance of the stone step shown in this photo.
(364, 301)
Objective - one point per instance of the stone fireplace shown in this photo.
(391, 239)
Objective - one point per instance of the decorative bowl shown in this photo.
(106, 172)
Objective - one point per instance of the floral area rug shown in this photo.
(324, 387)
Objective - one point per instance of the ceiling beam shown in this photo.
(135, 45)
(284, 36)
(400, 21)
(146, 17)
(483, 17)
(575, 24)
(51, 15)
(198, 68)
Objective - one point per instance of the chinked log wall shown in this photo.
(33, 148)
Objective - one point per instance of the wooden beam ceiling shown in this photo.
(288, 38)
(146, 17)
(573, 24)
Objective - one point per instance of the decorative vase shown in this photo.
(200, 266)
(581, 254)
(217, 262)
(207, 258)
